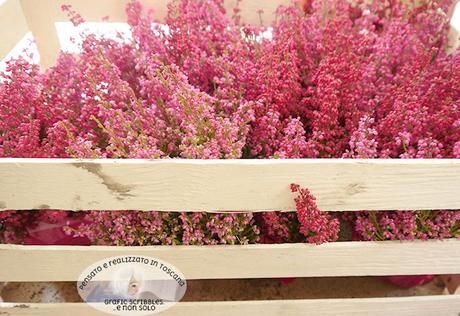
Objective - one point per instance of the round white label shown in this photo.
(131, 285)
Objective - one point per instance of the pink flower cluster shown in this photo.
(308, 224)
(405, 225)
(127, 228)
(335, 78)
(17, 227)
(317, 226)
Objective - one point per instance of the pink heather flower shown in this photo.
(456, 150)
(12, 225)
(293, 143)
(166, 228)
(308, 224)
(363, 143)
(317, 226)
(334, 79)
(405, 225)
(74, 17)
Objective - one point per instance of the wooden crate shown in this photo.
(222, 186)
(244, 185)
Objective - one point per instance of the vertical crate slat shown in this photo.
(13, 26)
(228, 185)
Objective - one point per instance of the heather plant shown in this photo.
(12, 224)
(307, 224)
(405, 225)
(334, 79)
(128, 228)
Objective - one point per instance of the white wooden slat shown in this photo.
(394, 306)
(454, 31)
(228, 185)
(13, 25)
(41, 18)
(66, 263)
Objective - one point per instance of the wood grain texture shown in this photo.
(394, 306)
(13, 25)
(66, 263)
(227, 185)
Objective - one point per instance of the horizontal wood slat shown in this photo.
(66, 263)
(227, 185)
(394, 306)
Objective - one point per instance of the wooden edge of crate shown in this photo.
(228, 185)
(394, 306)
(66, 263)
(13, 26)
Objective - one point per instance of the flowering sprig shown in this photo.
(329, 79)
(307, 224)
(405, 225)
(317, 226)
